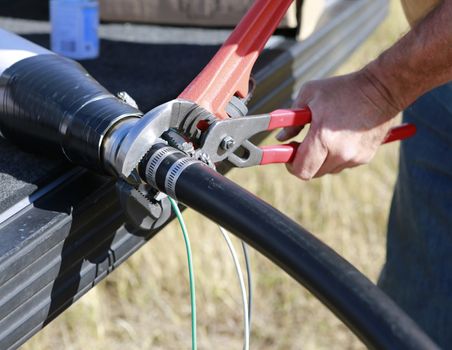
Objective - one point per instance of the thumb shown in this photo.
(292, 131)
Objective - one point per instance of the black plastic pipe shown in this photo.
(51, 105)
(362, 306)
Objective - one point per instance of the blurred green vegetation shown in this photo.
(145, 303)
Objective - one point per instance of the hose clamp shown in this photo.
(174, 173)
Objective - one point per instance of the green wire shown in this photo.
(191, 273)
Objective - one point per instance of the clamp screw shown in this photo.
(227, 143)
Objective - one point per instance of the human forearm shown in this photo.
(417, 63)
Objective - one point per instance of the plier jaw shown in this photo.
(230, 138)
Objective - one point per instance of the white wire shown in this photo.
(238, 268)
(250, 282)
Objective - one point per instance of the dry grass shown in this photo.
(145, 303)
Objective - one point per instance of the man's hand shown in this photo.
(351, 114)
(350, 118)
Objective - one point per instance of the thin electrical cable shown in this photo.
(191, 272)
(238, 268)
(249, 280)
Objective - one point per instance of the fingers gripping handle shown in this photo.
(279, 154)
(228, 73)
(286, 153)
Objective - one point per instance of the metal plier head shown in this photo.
(230, 139)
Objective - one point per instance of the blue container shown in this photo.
(75, 28)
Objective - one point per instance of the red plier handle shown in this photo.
(286, 153)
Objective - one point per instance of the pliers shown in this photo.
(230, 138)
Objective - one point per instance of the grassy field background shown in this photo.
(145, 303)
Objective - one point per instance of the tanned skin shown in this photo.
(351, 114)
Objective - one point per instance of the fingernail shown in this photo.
(282, 135)
(305, 175)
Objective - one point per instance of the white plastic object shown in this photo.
(75, 28)
(14, 48)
